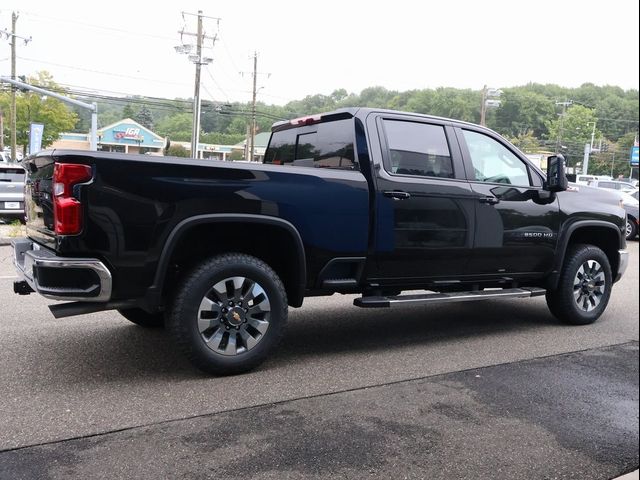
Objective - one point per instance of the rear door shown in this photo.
(424, 206)
(517, 222)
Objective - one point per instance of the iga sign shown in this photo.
(128, 134)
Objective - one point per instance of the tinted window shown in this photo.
(324, 145)
(493, 162)
(418, 149)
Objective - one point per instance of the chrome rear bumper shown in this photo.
(61, 278)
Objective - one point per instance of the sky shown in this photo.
(307, 48)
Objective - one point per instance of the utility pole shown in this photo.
(195, 134)
(199, 60)
(564, 104)
(483, 107)
(12, 109)
(13, 120)
(1, 130)
(253, 107)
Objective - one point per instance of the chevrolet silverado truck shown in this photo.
(355, 201)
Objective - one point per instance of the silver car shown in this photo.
(12, 178)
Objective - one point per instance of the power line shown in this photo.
(102, 27)
(156, 80)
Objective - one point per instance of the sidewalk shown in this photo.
(8, 232)
(629, 476)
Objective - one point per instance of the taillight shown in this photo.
(67, 210)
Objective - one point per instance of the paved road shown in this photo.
(82, 376)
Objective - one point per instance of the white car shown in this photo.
(613, 185)
(12, 177)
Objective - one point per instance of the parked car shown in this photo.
(613, 185)
(585, 179)
(630, 205)
(625, 200)
(632, 181)
(12, 177)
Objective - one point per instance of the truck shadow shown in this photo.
(116, 352)
(336, 329)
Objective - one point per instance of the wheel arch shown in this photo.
(604, 235)
(293, 273)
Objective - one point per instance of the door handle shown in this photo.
(489, 200)
(396, 194)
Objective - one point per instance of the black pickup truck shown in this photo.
(360, 201)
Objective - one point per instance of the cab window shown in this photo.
(418, 149)
(323, 145)
(493, 162)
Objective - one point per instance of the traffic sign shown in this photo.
(633, 160)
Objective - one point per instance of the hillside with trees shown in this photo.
(530, 116)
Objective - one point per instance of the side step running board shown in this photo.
(427, 298)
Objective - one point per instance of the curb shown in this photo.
(6, 240)
(628, 476)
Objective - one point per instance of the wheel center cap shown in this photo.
(235, 316)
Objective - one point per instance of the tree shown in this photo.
(574, 131)
(35, 108)
(144, 117)
(177, 151)
(522, 111)
(128, 111)
(526, 142)
(176, 127)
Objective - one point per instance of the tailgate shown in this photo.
(38, 199)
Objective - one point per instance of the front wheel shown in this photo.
(584, 287)
(229, 314)
(631, 228)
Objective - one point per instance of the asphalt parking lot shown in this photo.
(496, 389)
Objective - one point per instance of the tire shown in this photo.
(142, 318)
(584, 287)
(229, 314)
(631, 228)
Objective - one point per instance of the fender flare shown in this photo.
(563, 243)
(155, 291)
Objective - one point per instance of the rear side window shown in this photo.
(418, 149)
(12, 174)
(323, 145)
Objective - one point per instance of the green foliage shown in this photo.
(526, 142)
(217, 138)
(144, 117)
(33, 107)
(176, 150)
(574, 131)
(128, 112)
(235, 155)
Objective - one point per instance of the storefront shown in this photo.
(125, 136)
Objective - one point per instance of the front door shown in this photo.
(517, 222)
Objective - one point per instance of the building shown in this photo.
(128, 136)
(260, 143)
(125, 136)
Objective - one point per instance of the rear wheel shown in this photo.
(584, 287)
(229, 314)
(142, 318)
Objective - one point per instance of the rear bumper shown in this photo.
(61, 278)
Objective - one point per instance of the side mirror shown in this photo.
(556, 174)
